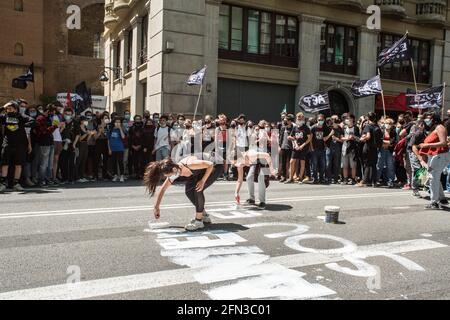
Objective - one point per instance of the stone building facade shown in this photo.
(62, 57)
(263, 55)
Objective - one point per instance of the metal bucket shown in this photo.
(332, 214)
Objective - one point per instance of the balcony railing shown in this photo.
(391, 7)
(432, 12)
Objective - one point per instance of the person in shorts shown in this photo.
(301, 137)
(16, 144)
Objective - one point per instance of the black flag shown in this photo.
(315, 102)
(365, 88)
(82, 90)
(19, 84)
(430, 98)
(401, 50)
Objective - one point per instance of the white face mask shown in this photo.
(175, 176)
(387, 126)
(300, 123)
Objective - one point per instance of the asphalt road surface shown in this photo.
(101, 242)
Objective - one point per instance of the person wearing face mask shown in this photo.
(148, 131)
(208, 135)
(242, 136)
(417, 160)
(136, 143)
(178, 130)
(156, 117)
(372, 142)
(82, 153)
(385, 162)
(407, 124)
(301, 138)
(16, 144)
(435, 147)
(91, 142)
(335, 154)
(286, 146)
(350, 137)
(101, 148)
(31, 168)
(163, 140)
(116, 147)
(199, 174)
(320, 135)
(223, 144)
(70, 133)
(43, 132)
(147, 116)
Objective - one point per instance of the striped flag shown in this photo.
(196, 78)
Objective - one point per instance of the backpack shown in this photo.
(378, 137)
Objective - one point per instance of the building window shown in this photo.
(258, 36)
(18, 49)
(338, 49)
(402, 70)
(129, 65)
(18, 5)
(117, 60)
(98, 46)
(144, 41)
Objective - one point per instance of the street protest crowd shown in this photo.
(44, 146)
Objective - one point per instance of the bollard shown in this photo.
(332, 214)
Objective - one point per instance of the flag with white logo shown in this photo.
(399, 51)
(365, 88)
(430, 98)
(315, 102)
(196, 78)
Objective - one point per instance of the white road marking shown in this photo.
(32, 214)
(124, 284)
(426, 235)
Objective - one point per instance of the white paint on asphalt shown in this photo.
(35, 214)
(426, 235)
(131, 283)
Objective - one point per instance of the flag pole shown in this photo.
(415, 81)
(34, 93)
(198, 101)
(443, 101)
(382, 95)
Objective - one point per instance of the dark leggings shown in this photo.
(370, 166)
(198, 198)
(101, 156)
(117, 160)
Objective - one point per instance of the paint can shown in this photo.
(332, 214)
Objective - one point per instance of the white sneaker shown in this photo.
(115, 179)
(2, 187)
(206, 218)
(122, 178)
(195, 225)
(81, 181)
(18, 187)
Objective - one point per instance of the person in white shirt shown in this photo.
(162, 140)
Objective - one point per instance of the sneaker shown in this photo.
(289, 181)
(444, 202)
(2, 187)
(29, 183)
(18, 187)
(194, 225)
(391, 185)
(115, 179)
(416, 194)
(81, 180)
(42, 185)
(406, 187)
(361, 185)
(306, 180)
(250, 202)
(122, 179)
(206, 218)
(262, 205)
(283, 179)
(433, 206)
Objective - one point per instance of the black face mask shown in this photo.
(147, 117)
(12, 114)
(138, 123)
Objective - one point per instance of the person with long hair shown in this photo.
(199, 174)
(436, 148)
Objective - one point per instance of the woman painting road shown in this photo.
(200, 175)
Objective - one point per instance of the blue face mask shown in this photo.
(68, 118)
(175, 176)
(320, 123)
(428, 122)
(33, 114)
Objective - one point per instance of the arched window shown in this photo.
(18, 49)
(18, 5)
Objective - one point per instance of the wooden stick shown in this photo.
(415, 82)
(382, 95)
(443, 101)
(198, 101)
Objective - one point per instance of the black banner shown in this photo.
(315, 102)
(430, 98)
(401, 50)
(365, 88)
